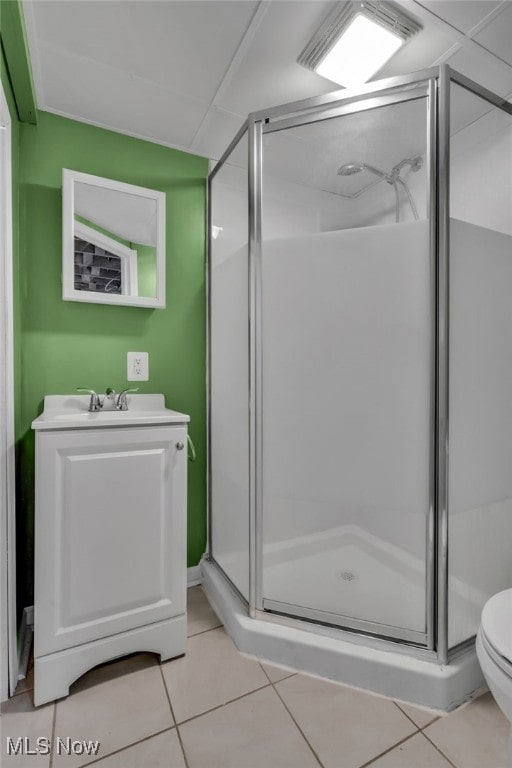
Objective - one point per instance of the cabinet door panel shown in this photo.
(110, 532)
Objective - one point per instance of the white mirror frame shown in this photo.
(69, 293)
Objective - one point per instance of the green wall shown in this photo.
(65, 345)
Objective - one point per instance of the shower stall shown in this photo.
(360, 382)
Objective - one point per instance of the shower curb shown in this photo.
(390, 673)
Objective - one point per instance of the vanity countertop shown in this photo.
(71, 412)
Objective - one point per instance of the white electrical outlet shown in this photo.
(137, 366)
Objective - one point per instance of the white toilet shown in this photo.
(494, 651)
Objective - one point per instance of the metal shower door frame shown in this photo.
(446, 77)
(392, 91)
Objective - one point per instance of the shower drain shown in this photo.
(347, 575)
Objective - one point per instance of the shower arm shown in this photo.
(383, 175)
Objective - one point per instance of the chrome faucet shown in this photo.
(110, 397)
(95, 403)
(119, 404)
(122, 402)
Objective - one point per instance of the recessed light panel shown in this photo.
(363, 48)
(356, 40)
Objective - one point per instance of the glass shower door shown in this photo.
(346, 346)
(229, 369)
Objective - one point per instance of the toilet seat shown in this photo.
(500, 661)
(496, 629)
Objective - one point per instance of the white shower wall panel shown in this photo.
(481, 171)
(229, 417)
(480, 441)
(346, 391)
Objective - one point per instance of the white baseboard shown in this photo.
(194, 576)
(25, 644)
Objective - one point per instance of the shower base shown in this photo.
(346, 571)
(386, 668)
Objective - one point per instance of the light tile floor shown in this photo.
(215, 708)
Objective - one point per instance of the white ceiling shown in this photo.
(187, 72)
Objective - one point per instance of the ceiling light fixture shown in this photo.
(356, 40)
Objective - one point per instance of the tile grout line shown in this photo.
(127, 746)
(204, 631)
(439, 750)
(296, 724)
(54, 725)
(185, 759)
(405, 714)
(261, 663)
(267, 676)
(225, 704)
(420, 727)
(182, 747)
(431, 723)
(390, 749)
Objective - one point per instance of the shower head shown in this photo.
(349, 169)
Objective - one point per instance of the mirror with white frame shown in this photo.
(113, 242)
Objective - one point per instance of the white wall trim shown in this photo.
(194, 576)
(9, 660)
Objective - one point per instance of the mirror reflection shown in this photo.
(114, 249)
(115, 242)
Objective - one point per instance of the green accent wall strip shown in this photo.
(65, 345)
(15, 46)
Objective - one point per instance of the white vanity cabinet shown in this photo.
(110, 547)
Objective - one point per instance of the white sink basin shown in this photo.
(71, 412)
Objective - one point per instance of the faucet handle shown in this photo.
(94, 403)
(122, 404)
